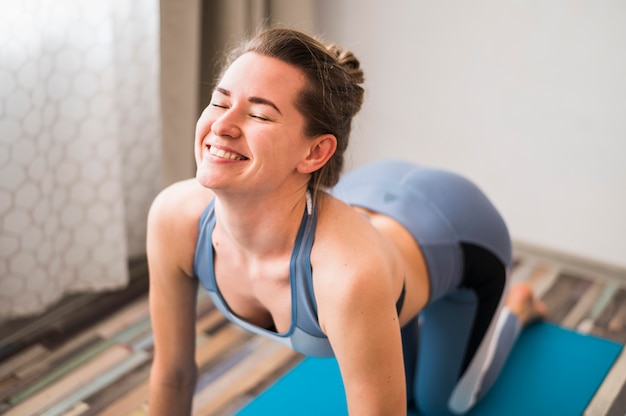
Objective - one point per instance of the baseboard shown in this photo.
(570, 262)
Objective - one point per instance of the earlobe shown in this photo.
(321, 150)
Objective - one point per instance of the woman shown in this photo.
(398, 272)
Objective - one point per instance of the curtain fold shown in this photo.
(79, 145)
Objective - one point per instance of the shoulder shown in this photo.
(343, 234)
(352, 263)
(179, 202)
(173, 222)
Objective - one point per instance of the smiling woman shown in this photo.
(251, 114)
(329, 267)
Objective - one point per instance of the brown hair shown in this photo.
(332, 96)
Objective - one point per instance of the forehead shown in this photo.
(253, 74)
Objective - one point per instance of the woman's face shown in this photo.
(251, 136)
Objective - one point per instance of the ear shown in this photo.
(320, 150)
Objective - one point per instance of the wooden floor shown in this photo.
(89, 356)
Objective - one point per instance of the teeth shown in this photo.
(221, 153)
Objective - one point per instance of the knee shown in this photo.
(433, 401)
(433, 406)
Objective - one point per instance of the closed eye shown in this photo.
(218, 105)
(259, 117)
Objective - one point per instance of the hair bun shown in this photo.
(348, 61)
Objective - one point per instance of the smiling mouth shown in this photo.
(223, 154)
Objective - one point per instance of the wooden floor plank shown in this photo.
(72, 381)
(610, 389)
(34, 353)
(543, 279)
(220, 363)
(209, 321)
(58, 372)
(245, 397)
(80, 409)
(581, 312)
(8, 386)
(228, 337)
(619, 403)
(57, 357)
(69, 316)
(563, 295)
(117, 391)
(128, 334)
(139, 412)
(103, 380)
(267, 355)
(587, 325)
(129, 403)
(251, 374)
(136, 311)
(610, 323)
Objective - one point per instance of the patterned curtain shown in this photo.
(79, 145)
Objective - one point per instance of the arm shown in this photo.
(357, 312)
(173, 290)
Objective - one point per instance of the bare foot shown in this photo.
(522, 302)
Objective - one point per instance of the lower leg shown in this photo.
(520, 308)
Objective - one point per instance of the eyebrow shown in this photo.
(254, 100)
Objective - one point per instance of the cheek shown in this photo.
(203, 125)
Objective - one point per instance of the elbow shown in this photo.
(392, 405)
(177, 379)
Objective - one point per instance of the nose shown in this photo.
(226, 125)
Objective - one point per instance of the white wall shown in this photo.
(528, 98)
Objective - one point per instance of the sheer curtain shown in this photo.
(80, 140)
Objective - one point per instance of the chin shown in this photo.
(206, 178)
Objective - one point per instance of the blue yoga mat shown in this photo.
(551, 371)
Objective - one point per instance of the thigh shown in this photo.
(485, 275)
(453, 328)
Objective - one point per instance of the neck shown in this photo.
(260, 225)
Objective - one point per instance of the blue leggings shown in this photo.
(454, 349)
(446, 369)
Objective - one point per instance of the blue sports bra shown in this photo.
(304, 335)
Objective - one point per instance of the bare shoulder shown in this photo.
(345, 235)
(173, 222)
(180, 202)
(349, 258)
(356, 274)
